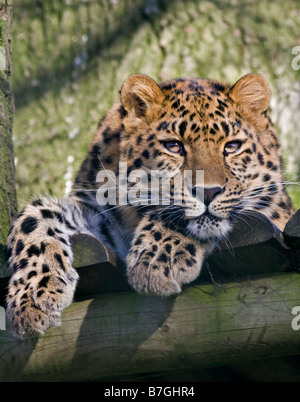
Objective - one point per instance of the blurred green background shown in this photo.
(71, 57)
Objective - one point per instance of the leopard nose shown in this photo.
(209, 193)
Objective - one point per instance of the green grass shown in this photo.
(70, 59)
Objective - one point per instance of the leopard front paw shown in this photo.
(30, 320)
(162, 266)
(35, 305)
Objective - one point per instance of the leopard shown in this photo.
(179, 125)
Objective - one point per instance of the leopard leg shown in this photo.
(42, 279)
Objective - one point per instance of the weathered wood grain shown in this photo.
(125, 335)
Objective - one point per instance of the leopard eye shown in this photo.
(176, 147)
(232, 147)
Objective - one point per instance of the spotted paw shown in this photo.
(161, 261)
(35, 305)
(30, 320)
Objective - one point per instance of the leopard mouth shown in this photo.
(208, 216)
(205, 227)
(209, 227)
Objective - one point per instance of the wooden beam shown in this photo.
(128, 336)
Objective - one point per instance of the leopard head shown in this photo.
(221, 135)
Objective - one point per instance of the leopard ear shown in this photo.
(251, 93)
(140, 97)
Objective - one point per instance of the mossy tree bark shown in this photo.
(8, 200)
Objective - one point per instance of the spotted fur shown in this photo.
(163, 246)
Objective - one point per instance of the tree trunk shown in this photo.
(8, 198)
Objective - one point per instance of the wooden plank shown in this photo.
(125, 335)
(255, 246)
(99, 269)
(291, 231)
